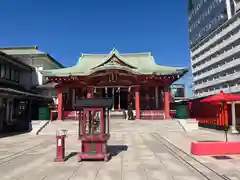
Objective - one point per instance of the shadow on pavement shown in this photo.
(116, 149)
(72, 154)
(9, 134)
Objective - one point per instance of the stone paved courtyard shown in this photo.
(137, 154)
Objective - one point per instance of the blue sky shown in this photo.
(65, 29)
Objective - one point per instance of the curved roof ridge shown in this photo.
(142, 53)
(114, 51)
(176, 67)
(89, 54)
(20, 47)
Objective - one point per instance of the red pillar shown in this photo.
(189, 109)
(137, 102)
(60, 104)
(166, 102)
(225, 108)
(221, 117)
(89, 92)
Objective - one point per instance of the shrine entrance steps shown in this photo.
(161, 127)
(144, 114)
(116, 114)
(119, 125)
(122, 114)
(70, 125)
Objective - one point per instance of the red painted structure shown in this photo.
(218, 148)
(94, 128)
(209, 115)
(64, 109)
(60, 103)
(126, 78)
(215, 148)
(60, 148)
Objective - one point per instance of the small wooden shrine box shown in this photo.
(93, 116)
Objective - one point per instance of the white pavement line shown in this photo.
(141, 163)
(86, 171)
(18, 154)
(75, 171)
(59, 170)
(209, 174)
(97, 173)
(43, 151)
(42, 126)
(122, 143)
(24, 169)
(37, 172)
(144, 139)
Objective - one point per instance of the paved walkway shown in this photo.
(228, 167)
(139, 152)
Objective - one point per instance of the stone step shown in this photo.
(189, 124)
(72, 126)
(38, 125)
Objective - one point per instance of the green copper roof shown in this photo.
(137, 63)
(29, 50)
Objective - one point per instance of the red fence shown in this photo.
(152, 114)
(209, 115)
(145, 114)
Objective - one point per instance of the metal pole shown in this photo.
(119, 100)
(156, 97)
(73, 97)
(233, 118)
(106, 92)
(113, 98)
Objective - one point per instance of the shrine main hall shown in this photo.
(127, 78)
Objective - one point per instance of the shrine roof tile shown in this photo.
(137, 63)
(20, 51)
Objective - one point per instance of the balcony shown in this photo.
(217, 47)
(219, 69)
(205, 94)
(233, 89)
(217, 59)
(229, 77)
(217, 36)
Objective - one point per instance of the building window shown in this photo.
(7, 72)
(16, 75)
(12, 74)
(3, 71)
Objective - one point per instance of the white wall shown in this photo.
(42, 64)
(39, 75)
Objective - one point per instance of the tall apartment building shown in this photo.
(214, 34)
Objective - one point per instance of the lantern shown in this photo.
(94, 127)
